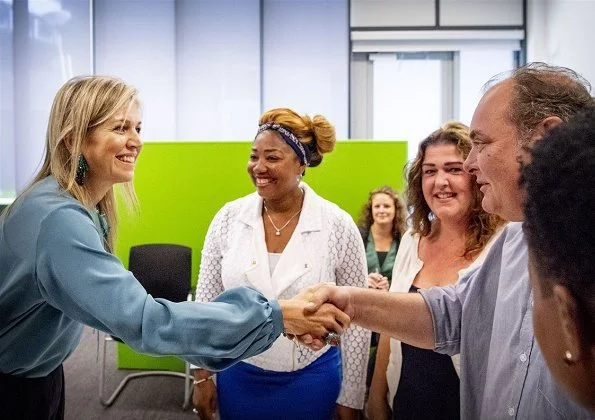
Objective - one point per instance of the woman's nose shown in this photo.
(134, 140)
(259, 166)
(441, 178)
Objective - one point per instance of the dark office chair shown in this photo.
(165, 272)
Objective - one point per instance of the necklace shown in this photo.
(278, 230)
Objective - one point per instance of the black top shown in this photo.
(429, 385)
(381, 257)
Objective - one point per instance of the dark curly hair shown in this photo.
(559, 207)
(482, 225)
(399, 222)
(541, 90)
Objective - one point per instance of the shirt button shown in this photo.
(511, 411)
(523, 357)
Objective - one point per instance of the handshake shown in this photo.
(318, 315)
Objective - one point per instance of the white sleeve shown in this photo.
(210, 284)
(355, 348)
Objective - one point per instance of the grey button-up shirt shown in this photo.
(487, 317)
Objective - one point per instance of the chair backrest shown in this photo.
(164, 270)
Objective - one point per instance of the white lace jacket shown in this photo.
(325, 246)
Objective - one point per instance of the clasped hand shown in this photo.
(378, 281)
(310, 316)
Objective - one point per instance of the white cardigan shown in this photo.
(407, 265)
(326, 246)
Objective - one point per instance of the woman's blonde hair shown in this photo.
(316, 133)
(482, 225)
(81, 105)
(399, 222)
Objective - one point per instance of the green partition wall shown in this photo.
(180, 187)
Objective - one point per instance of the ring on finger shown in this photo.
(332, 339)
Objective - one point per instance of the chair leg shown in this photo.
(188, 386)
(106, 402)
(102, 369)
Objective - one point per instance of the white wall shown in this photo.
(50, 45)
(142, 52)
(205, 69)
(217, 69)
(561, 32)
(306, 58)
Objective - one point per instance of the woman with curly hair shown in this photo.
(450, 234)
(382, 223)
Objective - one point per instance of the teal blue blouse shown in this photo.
(55, 276)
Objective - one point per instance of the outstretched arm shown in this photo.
(404, 316)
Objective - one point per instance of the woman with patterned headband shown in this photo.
(281, 239)
(57, 270)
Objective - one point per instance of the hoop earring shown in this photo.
(81, 170)
(299, 179)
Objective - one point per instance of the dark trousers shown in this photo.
(32, 398)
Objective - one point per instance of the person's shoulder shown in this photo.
(333, 212)
(408, 244)
(240, 202)
(512, 228)
(337, 215)
(513, 235)
(233, 208)
(409, 237)
(46, 199)
(506, 243)
(409, 233)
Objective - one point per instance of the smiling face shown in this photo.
(383, 209)
(273, 166)
(111, 150)
(495, 153)
(447, 188)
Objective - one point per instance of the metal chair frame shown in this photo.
(108, 401)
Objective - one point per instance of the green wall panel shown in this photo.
(180, 187)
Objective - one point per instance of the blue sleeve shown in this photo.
(471, 300)
(78, 277)
(446, 307)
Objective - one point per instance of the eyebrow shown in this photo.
(267, 150)
(478, 134)
(124, 121)
(458, 162)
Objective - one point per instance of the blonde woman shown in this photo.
(57, 271)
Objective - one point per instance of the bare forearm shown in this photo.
(404, 316)
(378, 408)
(379, 384)
(346, 413)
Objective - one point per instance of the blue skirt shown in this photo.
(248, 392)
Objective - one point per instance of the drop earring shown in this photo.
(82, 168)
